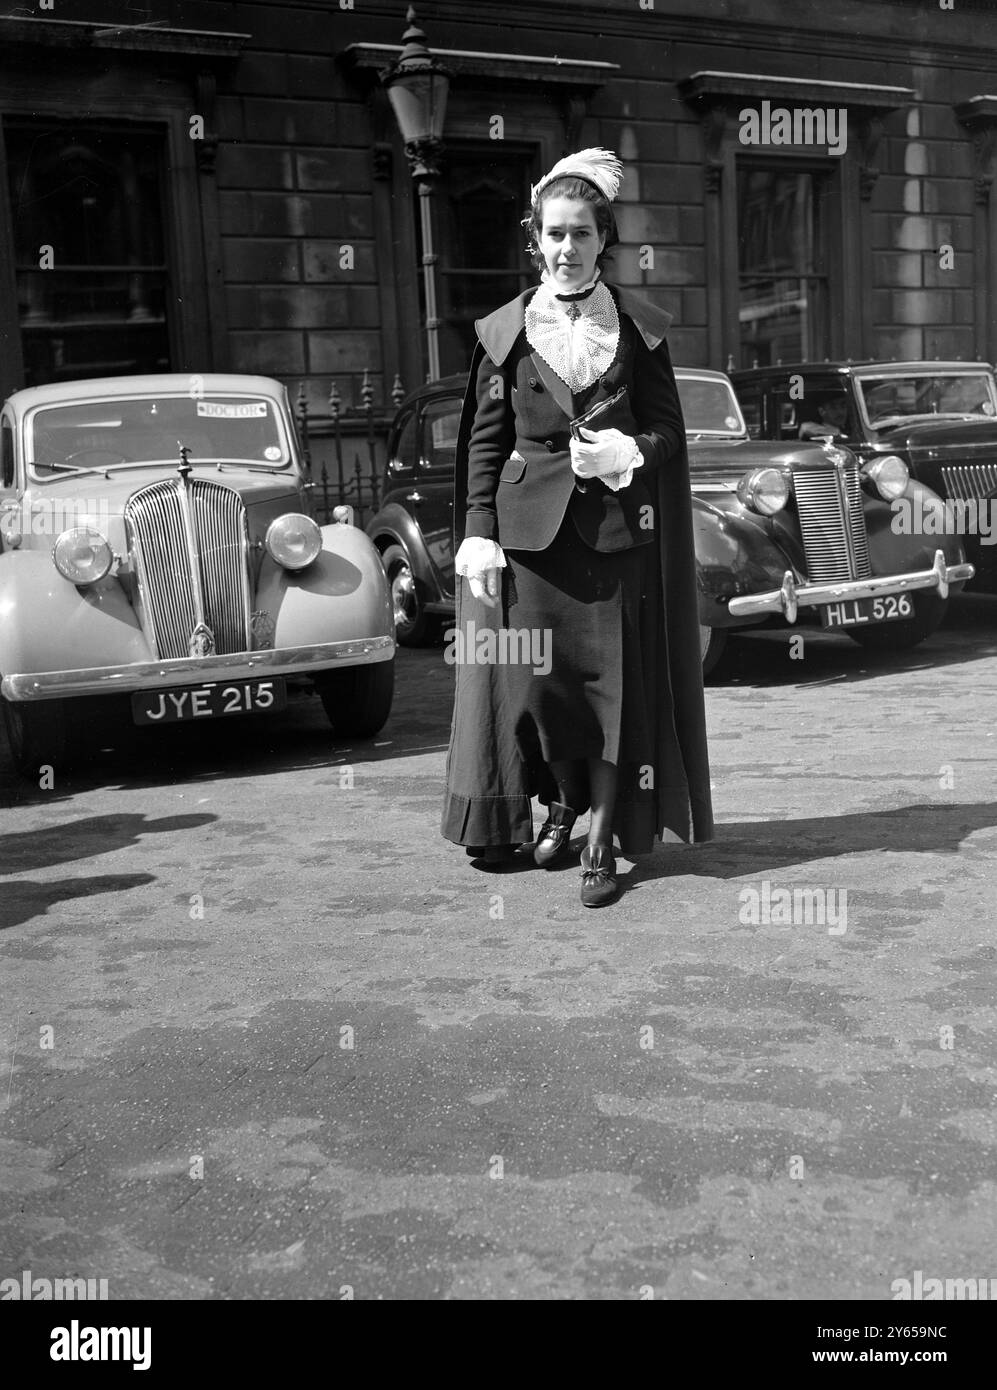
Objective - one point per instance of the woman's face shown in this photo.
(570, 241)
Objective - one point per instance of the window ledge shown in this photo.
(977, 109)
(713, 88)
(376, 58)
(135, 38)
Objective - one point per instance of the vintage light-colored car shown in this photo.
(157, 541)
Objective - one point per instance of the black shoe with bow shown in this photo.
(599, 885)
(555, 834)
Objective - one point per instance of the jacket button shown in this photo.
(549, 445)
(605, 383)
(535, 384)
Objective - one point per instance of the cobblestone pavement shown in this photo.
(265, 1034)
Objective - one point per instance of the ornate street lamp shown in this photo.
(417, 87)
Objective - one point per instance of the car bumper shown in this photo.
(152, 675)
(791, 595)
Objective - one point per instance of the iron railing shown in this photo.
(339, 480)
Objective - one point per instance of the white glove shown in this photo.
(479, 561)
(607, 454)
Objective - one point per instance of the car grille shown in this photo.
(189, 542)
(832, 522)
(968, 480)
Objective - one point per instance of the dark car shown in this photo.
(789, 531)
(413, 530)
(938, 418)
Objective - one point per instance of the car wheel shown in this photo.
(712, 645)
(929, 610)
(413, 625)
(357, 700)
(37, 734)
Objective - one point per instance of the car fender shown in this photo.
(393, 525)
(735, 554)
(49, 624)
(905, 534)
(342, 596)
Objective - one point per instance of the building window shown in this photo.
(782, 264)
(89, 249)
(483, 262)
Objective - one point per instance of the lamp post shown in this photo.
(417, 86)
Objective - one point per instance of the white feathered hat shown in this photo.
(601, 168)
(598, 167)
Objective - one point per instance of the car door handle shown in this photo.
(414, 497)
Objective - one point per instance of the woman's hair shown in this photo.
(568, 186)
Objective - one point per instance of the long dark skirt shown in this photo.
(562, 668)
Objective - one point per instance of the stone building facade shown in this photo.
(196, 185)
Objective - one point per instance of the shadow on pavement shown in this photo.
(41, 848)
(24, 899)
(756, 847)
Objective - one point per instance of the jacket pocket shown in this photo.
(513, 469)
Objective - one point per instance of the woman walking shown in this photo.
(573, 517)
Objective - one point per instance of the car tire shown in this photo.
(414, 627)
(712, 645)
(357, 700)
(37, 734)
(929, 610)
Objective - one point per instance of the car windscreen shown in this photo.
(890, 399)
(709, 406)
(147, 429)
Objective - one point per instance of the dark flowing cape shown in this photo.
(682, 805)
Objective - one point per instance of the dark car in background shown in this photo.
(938, 418)
(789, 531)
(413, 530)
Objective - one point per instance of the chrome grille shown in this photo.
(189, 542)
(968, 480)
(829, 504)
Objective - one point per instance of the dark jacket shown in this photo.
(486, 506)
(520, 481)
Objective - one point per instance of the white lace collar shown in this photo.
(578, 340)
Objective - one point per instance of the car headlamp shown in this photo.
(889, 476)
(82, 555)
(765, 490)
(294, 541)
